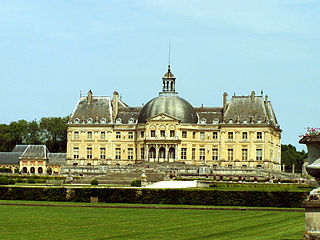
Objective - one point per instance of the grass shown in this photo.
(31, 222)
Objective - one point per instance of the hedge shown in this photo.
(159, 196)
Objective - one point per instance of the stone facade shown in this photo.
(242, 134)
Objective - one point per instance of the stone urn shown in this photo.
(312, 203)
(313, 145)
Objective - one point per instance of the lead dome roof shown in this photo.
(170, 103)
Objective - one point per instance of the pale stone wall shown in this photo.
(127, 139)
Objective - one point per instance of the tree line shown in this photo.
(50, 131)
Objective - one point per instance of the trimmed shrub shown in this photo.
(158, 196)
(19, 180)
(136, 183)
(12, 181)
(94, 182)
(31, 180)
(4, 181)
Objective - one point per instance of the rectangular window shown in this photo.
(230, 135)
(259, 135)
(214, 154)
(89, 135)
(202, 135)
(194, 135)
(142, 134)
(75, 152)
(162, 133)
(118, 153)
(244, 154)
(171, 133)
(259, 154)
(76, 135)
(230, 154)
(215, 135)
(202, 154)
(184, 134)
(102, 153)
(183, 153)
(153, 133)
(118, 135)
(193, 153)
(130, 153)
(130, 135)
(103, 135)
(89, 153)
(244, 135)
(142, 153)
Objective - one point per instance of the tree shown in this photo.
(290, 156)
(54, 130)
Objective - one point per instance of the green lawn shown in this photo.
(31, 222)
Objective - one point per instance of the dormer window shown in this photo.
(119, 121)
(131, 121)
(90, 120)
(103, 121)
(215, 121)
(77, 120)
(230, 121)
(245, 121)
(203, 121)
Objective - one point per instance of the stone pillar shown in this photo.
(283, 168)
(157, 154)
(147, 153)
(312, 219)
(293, 166)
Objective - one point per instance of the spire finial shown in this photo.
(169, 57)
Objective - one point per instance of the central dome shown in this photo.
(170, 104)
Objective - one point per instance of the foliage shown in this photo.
(311, 132)
(4, 169)
(290, 156)
(4, 181)
(31, 180)
(161, 196)
(51, 131)
(11, 181)
(94, 182)
(136, 183)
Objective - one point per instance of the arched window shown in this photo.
(103, 121)
(90, 120)
(40, 170)
(162, 153)
(152, 153)
(32, 170)
(77, 120)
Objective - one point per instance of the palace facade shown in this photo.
(243, 133)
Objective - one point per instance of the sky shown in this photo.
(52, 50)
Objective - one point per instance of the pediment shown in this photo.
(162, 117)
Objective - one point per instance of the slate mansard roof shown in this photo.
(34, 152)
(95, 110)
(250, 109)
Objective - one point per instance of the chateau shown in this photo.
(243, 133)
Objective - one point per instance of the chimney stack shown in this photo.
(115, 105)
(225, 96)
(252, 95)
(89, 99)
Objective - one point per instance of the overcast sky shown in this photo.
(51, 50)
